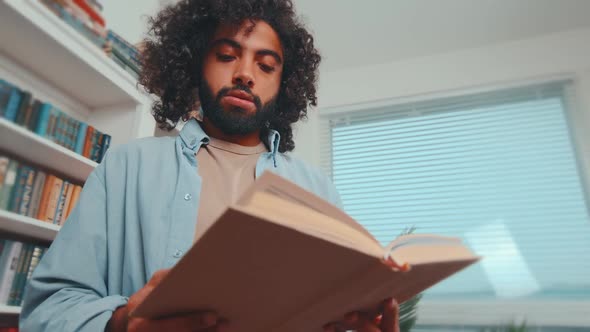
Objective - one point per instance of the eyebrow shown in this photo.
(237, 45)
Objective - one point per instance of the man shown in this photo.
(253, 69)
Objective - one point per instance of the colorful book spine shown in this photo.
(81, 137)
(31, 122)
(37, 193)
(20, 275)
(43, 121)
(5, 91)
(66, 206)
(19, 188)
(88, 141)
(9, 270)
(47, 189)
(94, 15)
(53, 202)
(13, 104)
(4, 161)
(8, 185)
(27, 193)
(106, 143)
(61, 203)
(23, 108)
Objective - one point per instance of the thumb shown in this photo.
(390, 320)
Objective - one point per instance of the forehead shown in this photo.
(255, 35)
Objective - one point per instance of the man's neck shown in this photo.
(210, 129)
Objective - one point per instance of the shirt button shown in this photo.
(194, 142)
(177, 253)
(188, 197)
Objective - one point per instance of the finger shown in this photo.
(359, 321)
(390, 319)
(189, 322)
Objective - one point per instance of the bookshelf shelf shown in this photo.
(9, 310)
(38, 150)
(38, 40)
(26, 226)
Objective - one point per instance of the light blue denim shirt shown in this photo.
(136, 214)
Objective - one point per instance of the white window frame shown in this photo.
(469, 313)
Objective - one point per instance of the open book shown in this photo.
(282, 259)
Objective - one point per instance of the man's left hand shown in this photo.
(386, 321)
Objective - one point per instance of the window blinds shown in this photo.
(498, 169)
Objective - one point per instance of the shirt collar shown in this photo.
(193, 136)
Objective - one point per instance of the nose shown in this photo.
(244, 76)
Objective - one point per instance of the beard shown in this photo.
(235, 121)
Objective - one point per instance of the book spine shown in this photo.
(58, 136)
(50, 130)
(23, 106)
(10, 271)
(81, 137)
(66, 207)
(5, 89)
(4, 161)
(75, 197)
(106, 143)
(43, 202)
(53, 200)
(13, 103)
(19, 187)
(59, 210)
(43, 121)
(74, 133)
(88, 141)
(20, 287)
(6, 248)
(95, 16)
(37, 194)
(27, 194)
(8, 185)
(35, 258)
(96, 145)
(23, 263)
(34, 118)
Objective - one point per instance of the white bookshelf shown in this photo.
(41, 41)
(44, 55)
(9, 310)
(41, 151)
(26, 226)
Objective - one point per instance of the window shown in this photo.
(499, 169)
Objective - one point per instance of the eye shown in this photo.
(266, 68)
(225, 57)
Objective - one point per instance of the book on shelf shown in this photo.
(35, 193)
(18, 260)
(281, 239)
(78, 19)
(124, 53)
(86, 17)
(46, 120)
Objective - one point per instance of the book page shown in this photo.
(276, 185)
(265, 205)
(427, 248)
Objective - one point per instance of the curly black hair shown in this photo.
(177, 43)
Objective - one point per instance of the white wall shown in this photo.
(129, 18)
(493, 66)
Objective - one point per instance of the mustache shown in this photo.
(224, 91)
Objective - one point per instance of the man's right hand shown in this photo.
(194, 322)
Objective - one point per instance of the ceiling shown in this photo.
(354, 33)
